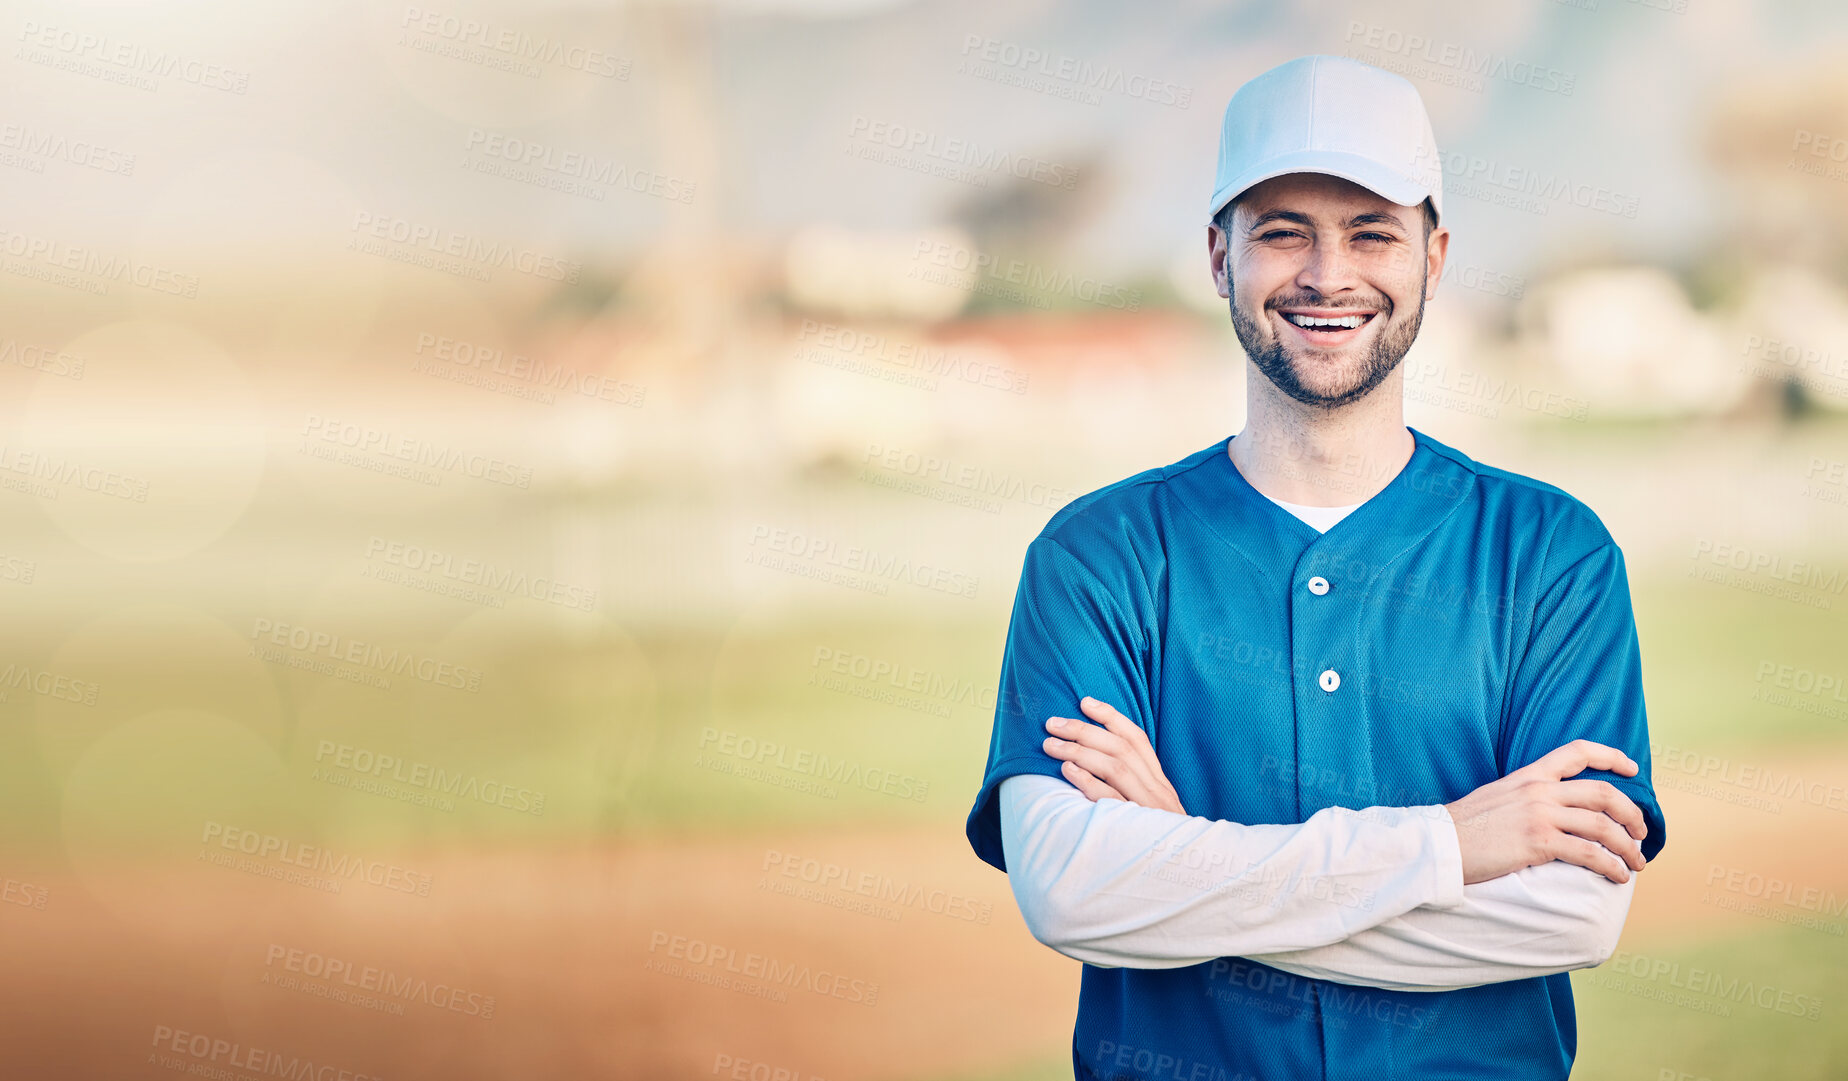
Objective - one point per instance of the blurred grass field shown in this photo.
(614, 731)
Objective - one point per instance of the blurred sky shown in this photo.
(754, 101)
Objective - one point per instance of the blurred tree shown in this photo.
(1027, 219)
(1025, 214)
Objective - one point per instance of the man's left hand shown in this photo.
(1111, 759)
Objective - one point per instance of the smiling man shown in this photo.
(1323, 747)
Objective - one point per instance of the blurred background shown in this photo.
(511, 510)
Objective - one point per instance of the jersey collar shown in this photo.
(1431, 486)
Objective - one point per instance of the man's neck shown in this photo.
(1321, 457)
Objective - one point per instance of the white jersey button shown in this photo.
(1330, 680)
(1318, 585)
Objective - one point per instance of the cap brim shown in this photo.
(1363, 171)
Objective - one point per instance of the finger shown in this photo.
(1580, 755)
(1108, 768)
(1590, 855)
(1600, 827)
(1112, 718)
(1086, 782)
(1098, 738)
(1132, 734)
(1607, 797)
(1091, 735)
(1583, 754)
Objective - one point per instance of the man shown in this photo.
(1363, 767)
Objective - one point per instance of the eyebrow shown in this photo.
(1371, 217)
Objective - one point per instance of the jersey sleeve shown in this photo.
(1069, 636)
(1581, 677)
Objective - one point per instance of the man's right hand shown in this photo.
(1534, 815)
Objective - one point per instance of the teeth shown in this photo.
(1348, 321)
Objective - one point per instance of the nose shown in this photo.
(1328, 269)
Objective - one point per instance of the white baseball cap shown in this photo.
(1335, 115)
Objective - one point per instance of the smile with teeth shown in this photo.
(1312, 322)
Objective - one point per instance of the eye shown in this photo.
(1378, 236)
(1274, 233)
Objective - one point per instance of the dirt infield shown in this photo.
(830, 954)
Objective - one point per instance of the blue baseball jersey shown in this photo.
(1459, 625)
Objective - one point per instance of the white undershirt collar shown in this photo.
(1320, 519)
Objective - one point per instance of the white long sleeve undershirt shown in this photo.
(1372, 897)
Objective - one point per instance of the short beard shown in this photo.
(1279, 366)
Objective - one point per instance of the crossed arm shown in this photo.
(1527, 876)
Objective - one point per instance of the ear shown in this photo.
(1219, 255)
(1436, 249)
